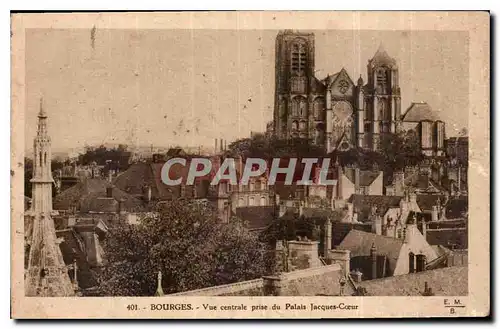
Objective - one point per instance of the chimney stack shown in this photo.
(435, 214)
(373, 256)
(328, 236)
(356, 181)
(221, 144)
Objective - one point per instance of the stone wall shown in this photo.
(322, 280)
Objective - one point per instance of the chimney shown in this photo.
(373, 256)
(350, 211)
(399, 183)
(225, 145)
(357, 276)
(221, 144)
(413, 198)
(121, 208)
(339, 182)
(459, 178)
(356, 181)
(377, 225)
(109, 192)
(424, 229)
(435, 214)
(328, 236)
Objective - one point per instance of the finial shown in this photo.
(42, 113)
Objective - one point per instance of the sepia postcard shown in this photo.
(250, 165)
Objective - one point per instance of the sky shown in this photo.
(188, 87)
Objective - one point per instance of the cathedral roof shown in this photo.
(419, 112)
(382, 58)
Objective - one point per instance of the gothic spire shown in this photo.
(42, 113)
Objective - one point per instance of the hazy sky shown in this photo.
(187, 87)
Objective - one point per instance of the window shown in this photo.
(381, 80)
(295, 125)
(251, 201)
(258, 185)
(299, 58)
(262, 201)
(241, 202)
(318, 107)
(252, 186)
(298, 85)
(302, 125)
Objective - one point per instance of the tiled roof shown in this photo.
(366, 177)
(426, 201)
(360, 244)
(450, 238)
(449, 281)
(419, 112)
(456, 207)
(362, 204)
(317, 86)
(86, 196)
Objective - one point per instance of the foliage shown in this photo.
(261, 146)
(187, 243)
(114, 158)
(28, 174)
(395, 153)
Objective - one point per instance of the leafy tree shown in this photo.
(187, 243)
(261, 146)
(113, 158)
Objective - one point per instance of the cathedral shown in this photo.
(335, 112)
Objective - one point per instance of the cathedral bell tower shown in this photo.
(46, 274)
(383, 96)
(294, 69)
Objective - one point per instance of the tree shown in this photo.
(112, 158)
(261, 146)
(187, 243)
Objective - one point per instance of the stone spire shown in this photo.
(47, 274)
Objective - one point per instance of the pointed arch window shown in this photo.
(299, 106)
(318, 106)
(45, 158)
(40, 157)
(299, 58)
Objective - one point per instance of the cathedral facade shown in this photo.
(334, 112)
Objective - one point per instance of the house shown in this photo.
(378, 256)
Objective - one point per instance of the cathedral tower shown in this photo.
(295, 85)
(383, 97)
(47, 275)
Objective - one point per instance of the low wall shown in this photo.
(321, 280)
(244, 288)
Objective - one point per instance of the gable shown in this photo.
(342, 85)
